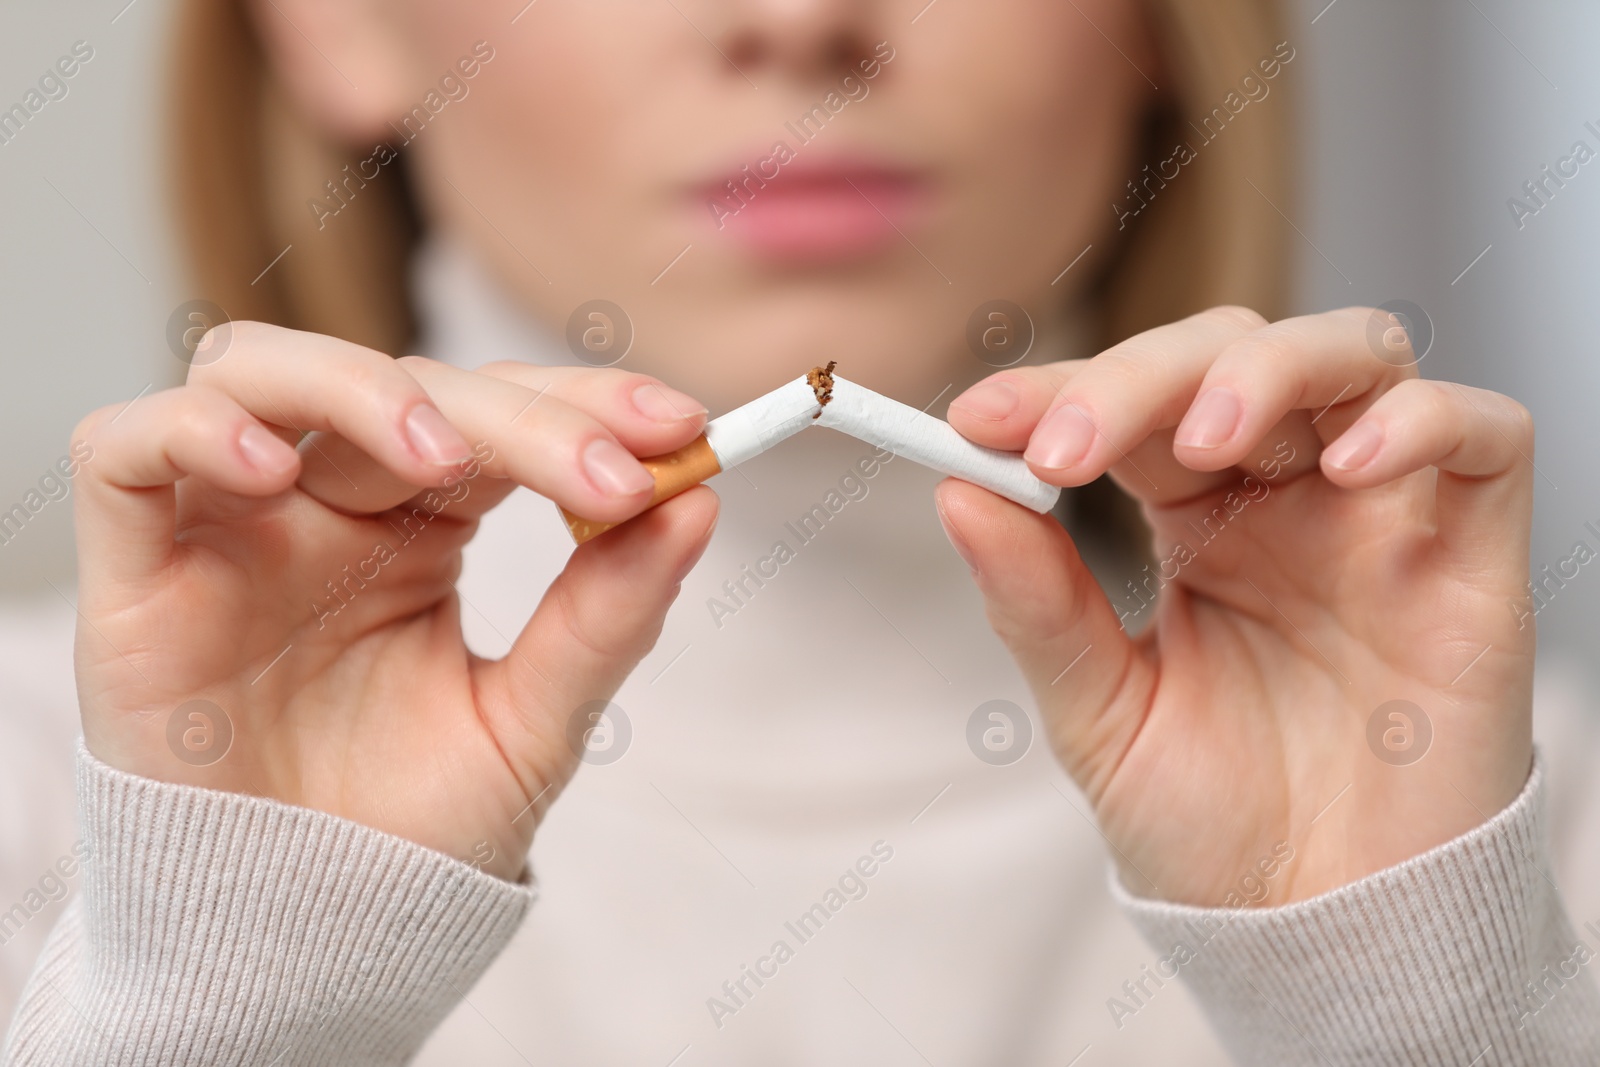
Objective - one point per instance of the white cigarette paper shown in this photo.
(748, 431)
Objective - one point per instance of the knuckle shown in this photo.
(250, 333)
(1235, 315)
(201, 412)
(85, 430)
(192, 421)
(252, 329)
(373, 376)
(1520, 425)
(1387, 340)
(1132, 359)
(415, 375)
(1430, 408)
(243, 339)
(1440, 403)
(1267, 348)
(458, 564)
(580, 628)
(214, 335)
(1118, 382)
(1040, 381)
(523, 375)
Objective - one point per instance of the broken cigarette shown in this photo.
(822, 398)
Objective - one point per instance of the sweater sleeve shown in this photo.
(218, 928)
(1461, 956)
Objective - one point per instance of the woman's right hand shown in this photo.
(308, 595)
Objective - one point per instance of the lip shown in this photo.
(814, 210)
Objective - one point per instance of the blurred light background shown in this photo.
(1420, 120)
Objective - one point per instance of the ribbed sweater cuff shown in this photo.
(1462, 955)
(217, 928)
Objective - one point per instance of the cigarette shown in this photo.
(822, 398)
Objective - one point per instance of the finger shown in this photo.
(1151, 473)
(1481, 443)
(533, 437)
(1119, 398)
(470, 496)
(1128, 392)
(1002, 410)
(1108, 413)
(645, 413)
(306, 382)
(131, 456)
(594, 624)
(1311, 362)
(1045, 605)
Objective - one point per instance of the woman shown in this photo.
(815, 829)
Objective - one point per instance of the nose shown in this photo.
(800, 39)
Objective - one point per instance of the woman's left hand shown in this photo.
(1332, 534)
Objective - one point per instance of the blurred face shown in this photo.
(760, 185)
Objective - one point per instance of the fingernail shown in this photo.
(613, 470)
(264, 452)
(1062, 439)
(433, 439)
(958, 544)
(665, 405)
(1356, 448)
(992, 401)
(1212, 420)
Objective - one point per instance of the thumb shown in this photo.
(596, 621)
(1091, 681)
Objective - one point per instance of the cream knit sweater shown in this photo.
(222, 929)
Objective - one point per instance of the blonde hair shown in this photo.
(1218, 232)
(243, 159)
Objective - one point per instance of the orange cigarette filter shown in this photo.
(674, 473)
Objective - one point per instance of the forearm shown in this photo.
(1463, 955)
(216, 928)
